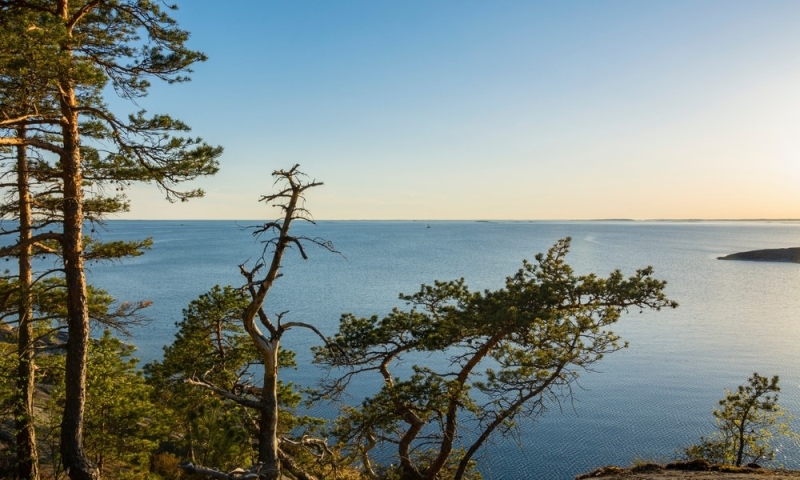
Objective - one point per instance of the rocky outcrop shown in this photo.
(791, 255)
(693, 469)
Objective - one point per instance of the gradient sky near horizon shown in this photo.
(508, 109)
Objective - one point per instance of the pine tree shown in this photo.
(74, 48)
(124, 425)
(502, 354)
(747, 422)
(211, 343)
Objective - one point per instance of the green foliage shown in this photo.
(41, 52)
(8, 369)
(211, 345)
(115, 250)
(500, 356)
(209, 342)
(425, 457)
(56, 60)
(49, 300)
(166, 466)
(49, 297)
(123, 423)
(747, 423)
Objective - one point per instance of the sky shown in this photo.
(515, 110)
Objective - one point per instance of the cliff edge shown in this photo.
(694, 469)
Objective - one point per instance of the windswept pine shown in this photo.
(508, 354)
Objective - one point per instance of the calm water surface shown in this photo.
(645, 402)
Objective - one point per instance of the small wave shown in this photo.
(593, 239)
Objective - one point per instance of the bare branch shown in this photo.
(224, 393)
(237, 474)
(35, 142)
(10, 250)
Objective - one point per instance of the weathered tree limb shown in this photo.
(237, 474)
(288, 463)
(34, 240)
(225, 393)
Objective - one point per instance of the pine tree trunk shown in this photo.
(73, 456)
(268, 424)
(75, 462)
(27, 455)
(451, 417)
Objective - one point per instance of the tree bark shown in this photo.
(502, 417)
(269, 345)
(74, 459)
(741, 435)
(27, 454)
(73, 456)
(451, 423)
(268, 423)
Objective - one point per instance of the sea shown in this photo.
(644, 403)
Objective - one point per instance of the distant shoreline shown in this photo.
(477, 220)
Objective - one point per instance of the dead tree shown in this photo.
(267, 331)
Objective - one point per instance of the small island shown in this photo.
(768, 255)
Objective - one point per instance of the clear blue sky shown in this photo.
(421, 109)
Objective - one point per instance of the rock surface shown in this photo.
(675, 475)
(693, 469)
(791, 255)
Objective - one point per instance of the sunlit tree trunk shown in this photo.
(268, 422)
(27, 455)
(74, 459)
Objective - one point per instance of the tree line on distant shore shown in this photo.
(215, 406)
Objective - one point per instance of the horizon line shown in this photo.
(481, 220)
